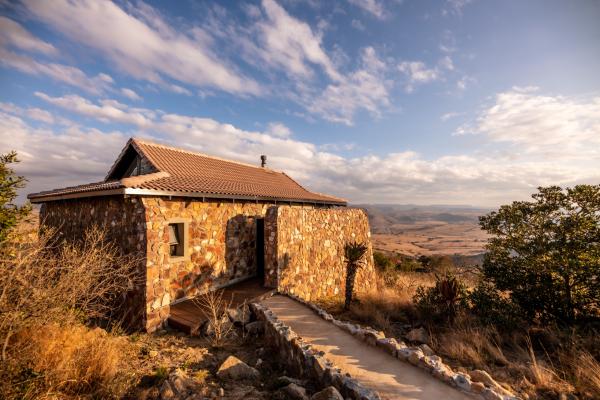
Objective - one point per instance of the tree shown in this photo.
(10, 214)
(545, 253)
(353, 254)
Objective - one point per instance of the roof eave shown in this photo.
(37, 198)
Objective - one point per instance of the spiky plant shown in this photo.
(353, 255)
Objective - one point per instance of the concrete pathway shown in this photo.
(374, 368)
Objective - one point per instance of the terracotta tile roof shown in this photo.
(188, 173)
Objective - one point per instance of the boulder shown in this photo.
(295, 392)
(286, 380)
(240, 315)
(419, 335)
(234, 368)
(478, 375)
(329, 393)
(427, 350)
(255, 328)
(462, 381)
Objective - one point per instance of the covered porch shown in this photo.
(188, 316)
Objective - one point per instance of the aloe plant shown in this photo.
(353, 255)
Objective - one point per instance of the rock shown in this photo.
(462, 381)
(234, 368)
(255, 328)
(240, 315)
(295, 392)
(415, 357)
(443, 373)
(166, 392)
(419, 335)
(208, 329)
(329, 393)
(477, 387)
(427, 350)
(152, 353)
(489, 394)
(478, 375)
(286, 380)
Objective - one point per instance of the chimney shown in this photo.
(263, 160)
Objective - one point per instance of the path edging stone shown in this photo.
(306, 361)
(413, 355)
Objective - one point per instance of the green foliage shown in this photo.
(382, 262)
(492, 308)
(545, 254)
(10, 214)
(353, 254)
(444, 300)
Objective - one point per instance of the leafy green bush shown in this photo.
(491, 308)
(545, 254)
(442, 301)
(10, 214)
(382, 261)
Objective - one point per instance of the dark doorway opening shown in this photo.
(260, 249)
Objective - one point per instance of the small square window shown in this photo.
(177, 240)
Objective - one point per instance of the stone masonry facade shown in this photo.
(304, 250)
(122, 219)
(221, 244)
(303, 246)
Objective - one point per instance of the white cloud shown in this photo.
(13, 34)
(59, 72)
(374, 7)
(291, 44)
(464, 82)
(447, 116)
(130, 94)
(455, 7)
(107, 111)
(416, 73)
(489, 176)
(279, 130)
(366, 88)
(544, 126)
(356, 24)
(142, 44)
(446, 62)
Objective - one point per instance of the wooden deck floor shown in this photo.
(188, 317)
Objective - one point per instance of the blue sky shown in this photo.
(429, 102)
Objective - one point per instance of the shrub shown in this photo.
(382, 262)
(444, 300)
(492, 308)
(10, 214)
(545, 254)
(47, 291)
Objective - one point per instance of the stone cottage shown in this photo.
(199, 222)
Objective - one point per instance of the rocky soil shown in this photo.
(171, 366)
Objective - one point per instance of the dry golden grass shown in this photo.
(466, 344)
(71, 360)
(47, 292)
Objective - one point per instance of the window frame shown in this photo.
(185, 239)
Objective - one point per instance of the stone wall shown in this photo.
(123, 221)
(304, 252)
(221, 243)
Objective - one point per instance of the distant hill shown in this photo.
(393, 218)
(428, 230)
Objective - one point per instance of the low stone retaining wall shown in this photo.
(305, 361)
(479, 384)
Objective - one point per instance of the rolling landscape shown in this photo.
(427, 230)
